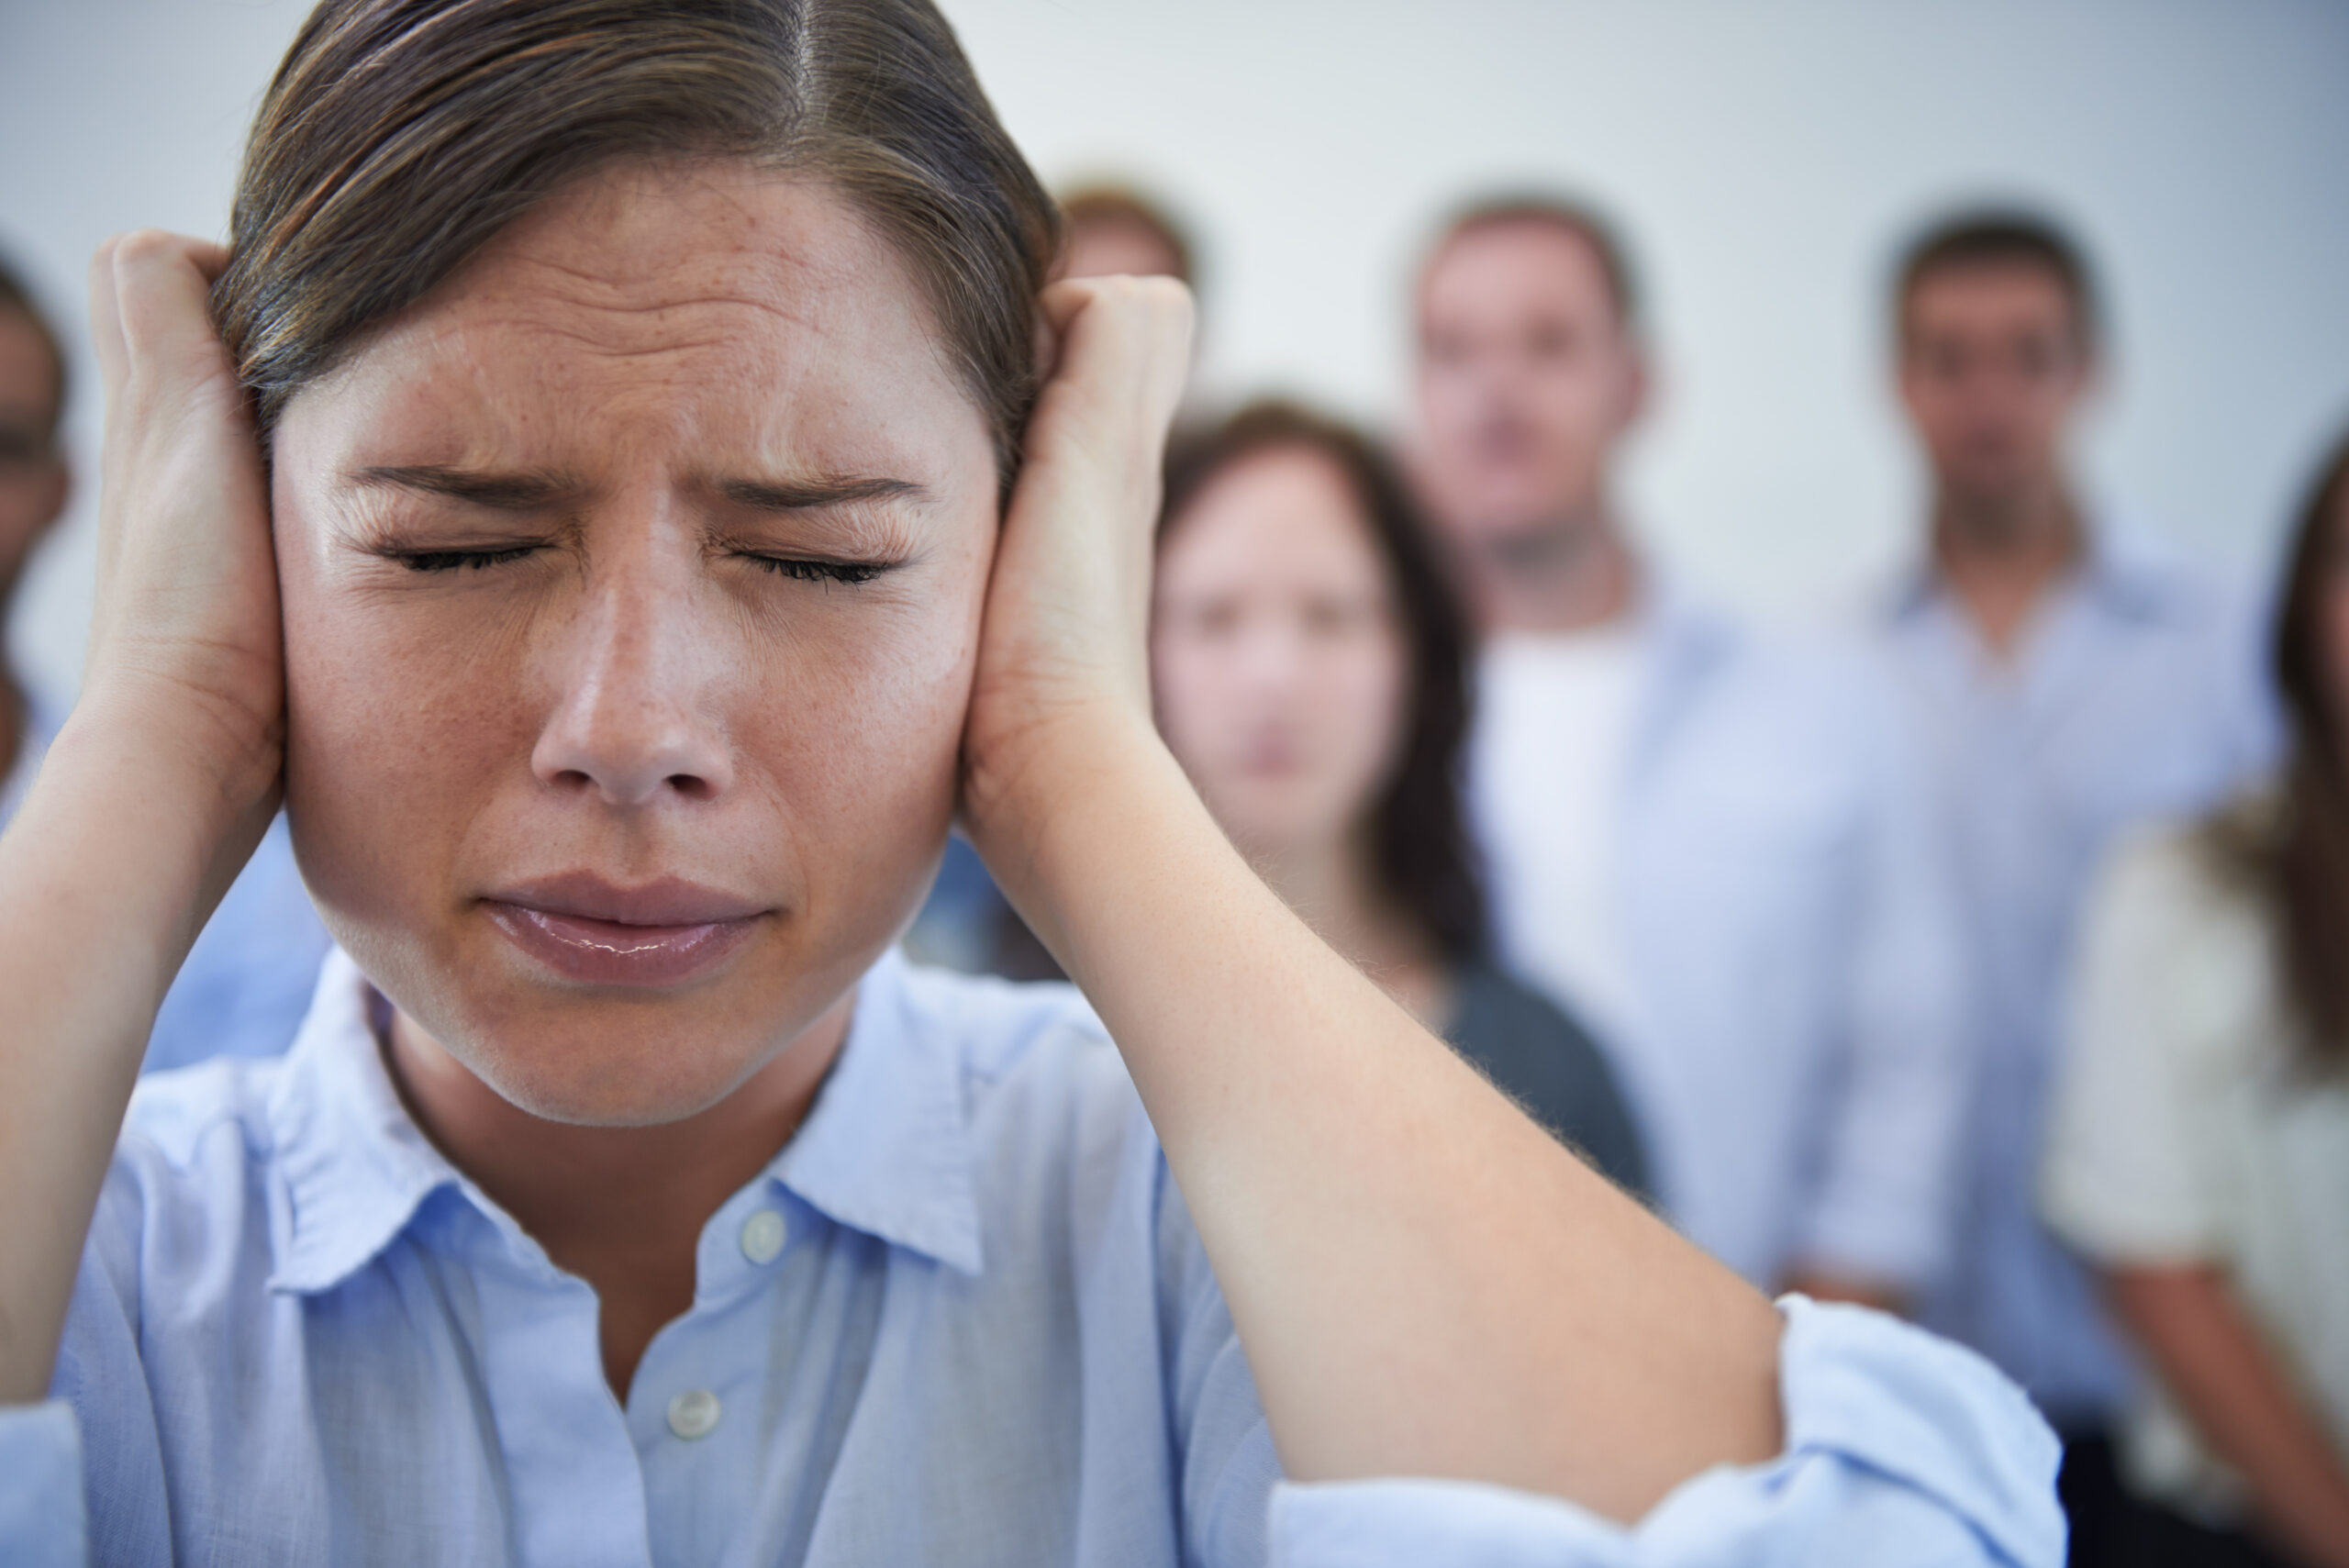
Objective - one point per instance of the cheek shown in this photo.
(1188, 688)
(402, 718)
(1369, 693)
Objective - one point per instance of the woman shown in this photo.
(1308, 664)
(638, 577)
(2199, 1150)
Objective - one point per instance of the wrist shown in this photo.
(197, 755)
(1080, 789)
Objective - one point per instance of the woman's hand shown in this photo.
(159, 786)
(186, 666)
(1064, 661)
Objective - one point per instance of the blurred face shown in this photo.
(1526, 381)
(1109, 248)
(2336, 606)
(32, 475)
(1279, 664)
(1992, 372)
(631, 589)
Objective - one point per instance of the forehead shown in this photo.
(1513, 268)
(1287, 516)
(1990, 295)
(716, 299)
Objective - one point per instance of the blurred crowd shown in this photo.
(1979, 954)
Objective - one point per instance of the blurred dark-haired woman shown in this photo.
(1309, 662)
(2199, 1150)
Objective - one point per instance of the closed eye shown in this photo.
(805, 570)
(454, 560)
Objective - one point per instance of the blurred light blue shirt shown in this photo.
(1793, 1046)
(248, 980)
(2138, 693)
(963, 1317)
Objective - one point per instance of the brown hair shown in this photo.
(400, 135)
(1578, 218)
(1114, 205)
(2293, 852)
(2003, 237)
(1418, 830)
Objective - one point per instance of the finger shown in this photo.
(162, 297)
(106, 319)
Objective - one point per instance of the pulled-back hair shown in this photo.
(2293, 850)
(1419, 831)
(400, 135)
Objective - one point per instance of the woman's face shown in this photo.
(1279, 668)
(631, 590)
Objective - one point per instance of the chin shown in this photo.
(605, 1065)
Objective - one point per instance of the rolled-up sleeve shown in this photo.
(40, 1487)
(1900, 1449)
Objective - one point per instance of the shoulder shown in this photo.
(1041, 1080)
(191, 1178)
(2177, 939)
(1492, 1004)
(1005, 1028)
(192, 1117)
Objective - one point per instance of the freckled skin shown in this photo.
(634, 696)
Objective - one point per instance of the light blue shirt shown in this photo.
(2136, 693)
(1793, 1047)
(248, 980)
(963, 1317)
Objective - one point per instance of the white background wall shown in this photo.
(1767, 155)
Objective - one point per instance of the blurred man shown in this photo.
(2070, 680)
(1702, 842)
(248, 980)
(1107, 230)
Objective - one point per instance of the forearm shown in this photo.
(2213, 1360)
(105, 875)
(1426, 1283)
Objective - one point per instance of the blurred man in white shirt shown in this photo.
(1708, 844)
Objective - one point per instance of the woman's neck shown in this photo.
(622, 1207)
(1334, 885)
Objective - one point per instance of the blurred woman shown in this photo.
(2200, 1142)
(1309, 662)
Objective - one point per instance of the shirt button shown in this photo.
(694, 1415)
(763, 1237)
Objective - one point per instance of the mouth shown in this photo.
(595, 932)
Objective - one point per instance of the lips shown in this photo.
(595, 932)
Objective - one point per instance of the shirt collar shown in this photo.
(886, 1148)
(2124, 572)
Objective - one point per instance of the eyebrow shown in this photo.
(505, 491)
(812, 494)
(524, 492)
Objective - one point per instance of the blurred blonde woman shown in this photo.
(2199, 1150)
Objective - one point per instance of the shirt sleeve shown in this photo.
(2128, 1170)
(1883, 1206)
(41, 1524)
(1900, 1449)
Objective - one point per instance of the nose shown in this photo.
(633, 719)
